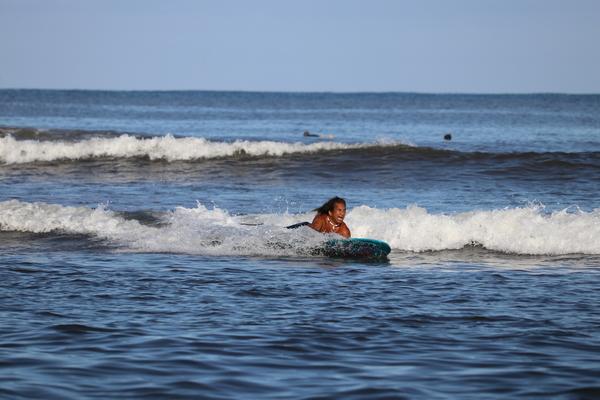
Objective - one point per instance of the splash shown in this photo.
(195, 231)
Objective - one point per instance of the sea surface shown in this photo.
(143, 249)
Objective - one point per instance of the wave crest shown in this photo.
(169, 148)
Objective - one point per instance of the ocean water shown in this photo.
(143, 249)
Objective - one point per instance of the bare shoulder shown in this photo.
(320, 217)
(318, 221)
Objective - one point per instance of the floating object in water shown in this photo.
(322, 136)
(360, 248)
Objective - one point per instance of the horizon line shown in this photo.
(303, 92)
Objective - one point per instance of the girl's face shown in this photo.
(338, 213)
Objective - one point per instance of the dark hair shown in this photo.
(329, 204)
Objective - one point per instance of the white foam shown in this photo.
(199, 230)
(42, 218)
(167, 147)
(216, 232)
(516, 230)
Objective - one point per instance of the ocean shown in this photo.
(143, 249)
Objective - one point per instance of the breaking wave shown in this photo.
(21, 146)
(169, 148)
(526, 231)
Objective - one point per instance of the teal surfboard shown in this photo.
(359, 248)
(368, 249)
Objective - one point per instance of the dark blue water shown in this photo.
(145, 266)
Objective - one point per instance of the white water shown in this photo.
(167, 147)
(525, 230)
(216, 232)
(197, 231)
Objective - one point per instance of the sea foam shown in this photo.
(215, 231)
(167, 148)
(526, 230)
(196, 231)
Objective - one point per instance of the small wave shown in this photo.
(169, 148)
(53, 135)
(522, 231)
(29, 145)
(78, 329)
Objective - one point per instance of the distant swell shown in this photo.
(20, 146)
(169, 148)
(527, 231)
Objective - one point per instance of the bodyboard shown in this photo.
(359, 248)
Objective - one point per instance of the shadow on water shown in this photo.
(50, 242)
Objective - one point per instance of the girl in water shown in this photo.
(330, 217)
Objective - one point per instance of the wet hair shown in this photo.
(329, 204)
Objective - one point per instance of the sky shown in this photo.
(431, 46)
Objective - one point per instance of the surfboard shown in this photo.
(359, 248)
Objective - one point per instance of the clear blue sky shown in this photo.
(310, 45)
